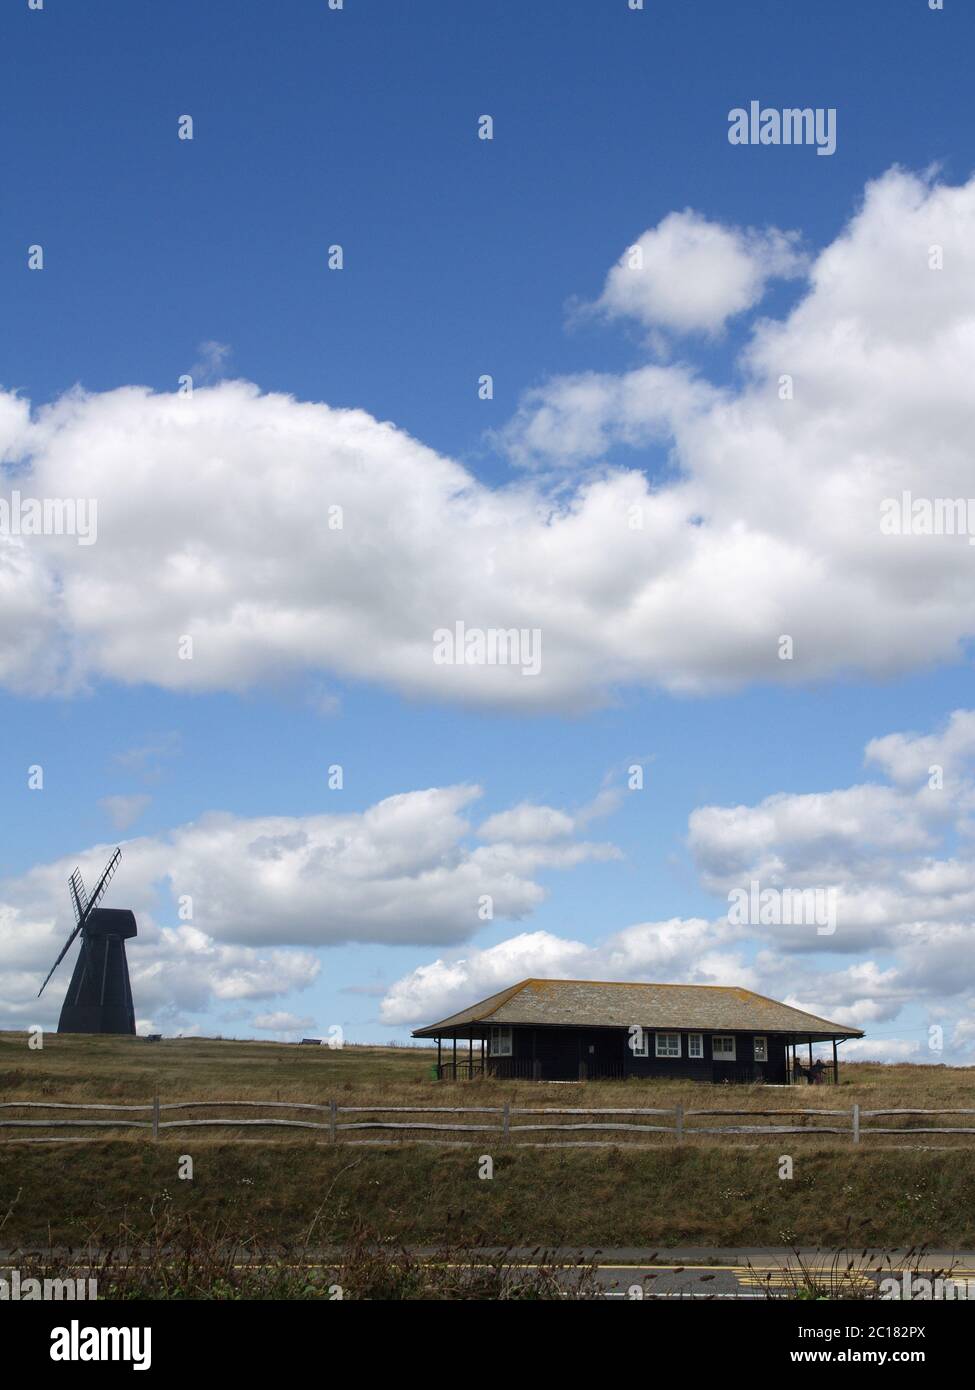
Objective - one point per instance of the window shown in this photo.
(639, 1042)
(723, 1047)
(761, 1049)
(499, 1042)
(668, 1044)
(695, 1044)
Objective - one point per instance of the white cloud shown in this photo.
(281, 1022)
(882, 1050)
(527, 822)
(534, 824)
(184, 969)
(401, 872)
(572, 420)
(908, 758)
(690, 275)
(758, 516)
(886, 851)
(213, 356)
(124, 811)
(811, 836)
(905, 909)
(175, 971)
(691, 950)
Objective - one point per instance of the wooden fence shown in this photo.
(490, 1119)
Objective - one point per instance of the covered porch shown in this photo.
(463, 1054)
(462, 1057)
(802, 1069)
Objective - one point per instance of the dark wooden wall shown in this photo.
(555, 1054)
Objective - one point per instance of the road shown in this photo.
(743, 1272)
(686, 1273)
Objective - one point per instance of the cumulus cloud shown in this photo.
(690, 275)
(527, 822)
(184, 969)
(810, 836)
(176, 971)
(281, 1022)
(294, 540)
(902, 893)
(531, 823)
(574, 420)
(905, 909)
(909, 759)
(220, 901)
(693, 950)
(885, 852)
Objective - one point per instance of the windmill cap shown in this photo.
(111, 921)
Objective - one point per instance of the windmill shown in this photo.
(99, 997)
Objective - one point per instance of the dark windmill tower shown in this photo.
(99, 997)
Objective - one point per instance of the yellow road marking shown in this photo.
(788, 1278)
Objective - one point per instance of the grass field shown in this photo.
(706, 1192)
(72, 1068)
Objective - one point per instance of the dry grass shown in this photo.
(129, 1070)
(709, 1195)
(178, 1258)
(77, 1068)
(723, 1191)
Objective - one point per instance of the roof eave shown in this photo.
(475, 1025)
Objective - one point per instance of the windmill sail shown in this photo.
(102, 884)
(79, 893)
(83, 908)
(66, 948)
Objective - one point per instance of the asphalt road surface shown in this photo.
(743, 1272)
(689, 1273)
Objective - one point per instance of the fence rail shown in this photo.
(490, 1119)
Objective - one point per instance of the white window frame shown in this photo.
(500, 1042)
(698, 1039)
(719, 1055)
(643, 1038)
(763, 1055)
(666, 1052)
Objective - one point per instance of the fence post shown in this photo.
(506, 1121)
(679, 1122)
(333, 1113)
(856, 1124)
(155, 1117)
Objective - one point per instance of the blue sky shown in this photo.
(462, 257)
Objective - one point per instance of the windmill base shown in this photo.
(99, 997)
